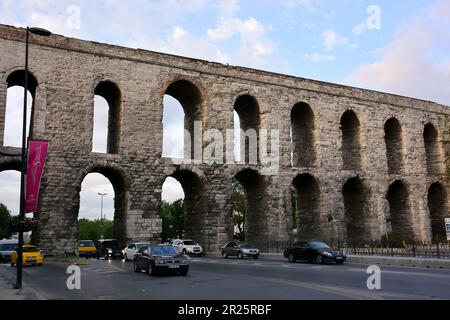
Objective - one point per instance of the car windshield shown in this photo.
(8, 247)
(318, 245)
(163, 250)
(87, 243)
(245, 245)
(189, 243)
(30, 249)
(139, 245)
(111, 244)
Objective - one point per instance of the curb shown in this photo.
(369, 260)
(26, 292)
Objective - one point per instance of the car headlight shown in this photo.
(328, 254)
(109, 251)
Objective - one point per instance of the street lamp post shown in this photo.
(101, 212)
(43, 33)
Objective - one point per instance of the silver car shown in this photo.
(239, 249)
(7, 247)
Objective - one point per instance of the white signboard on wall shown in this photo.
(447, 227)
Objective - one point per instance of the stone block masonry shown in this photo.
(371, 161)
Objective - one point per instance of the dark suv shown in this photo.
(109, 249)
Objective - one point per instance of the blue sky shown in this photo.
(406, 51)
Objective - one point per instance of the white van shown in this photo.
(7, 247)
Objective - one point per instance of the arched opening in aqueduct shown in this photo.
(438, 210)
(351, 141)
(256, 213)
(303, 141)
(399, 210)
(394, 146)
(356, 204)
(307, 208)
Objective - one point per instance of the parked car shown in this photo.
(108, 249)
(187, 246)
(239, 249)
(130, 250)
(160, 258)
(87, 249)
(314, 251)
(7, 247)
(31, 256)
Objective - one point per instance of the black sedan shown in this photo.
(314, 251)
(160, 258)
(240, 250)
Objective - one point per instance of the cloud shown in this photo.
(172, 190)
(317, 57)
(416, 63)
(249, 29)
(359, 29)
(255, 50)
(331, 40)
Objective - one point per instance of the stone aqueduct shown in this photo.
(373, 161)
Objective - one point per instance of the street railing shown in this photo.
(410, 250)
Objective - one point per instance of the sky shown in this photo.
(400, 47)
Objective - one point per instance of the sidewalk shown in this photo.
(6, 286)
(7, 280)
(369, 260)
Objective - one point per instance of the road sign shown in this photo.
(447, 227)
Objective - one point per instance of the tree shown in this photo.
(239, 209)
(94, 229)
(172, 215)
(5, 217)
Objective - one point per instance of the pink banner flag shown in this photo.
(37, 154)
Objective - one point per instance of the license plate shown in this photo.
(174, 266)
(31, 260)
(338, 258)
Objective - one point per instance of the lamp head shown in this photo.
(40, 32)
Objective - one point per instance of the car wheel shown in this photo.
(12, 264)
(319, 259)
(256, 257)
(240, 255)
(135, 266)
(224, 255)
(291, 257)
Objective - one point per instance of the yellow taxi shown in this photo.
(31, 256)
(87, 249)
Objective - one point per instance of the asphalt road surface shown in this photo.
(232, 279)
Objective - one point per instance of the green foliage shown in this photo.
(5, 217)
(94, 229)
(239, 209)
(172, 215)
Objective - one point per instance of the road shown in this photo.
(232, 279)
